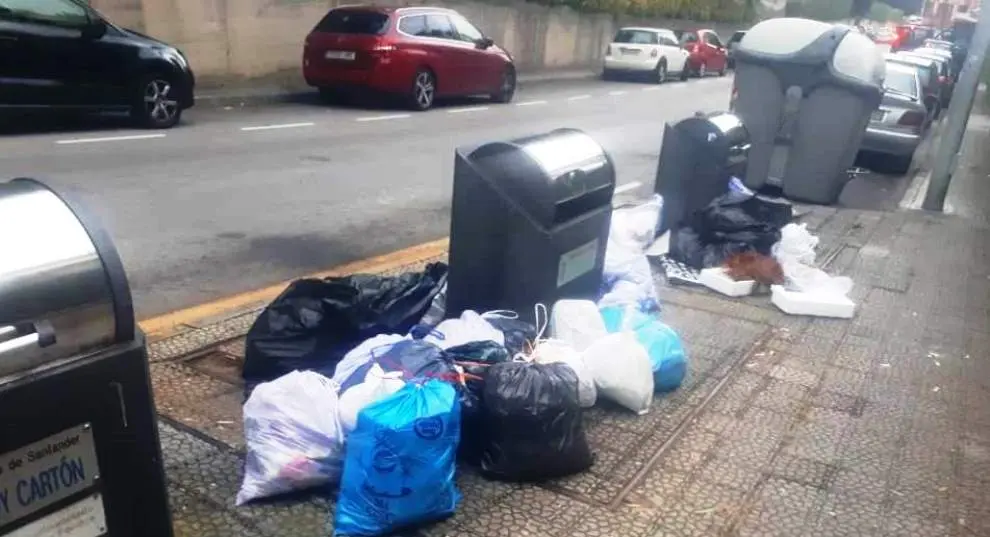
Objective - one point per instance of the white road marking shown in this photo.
(467, 110)
(109, 139)
(652, 88)
(618, 92)
(281, 126)
(627, 187)
(382, 118)
(530, 103)
(579, 97)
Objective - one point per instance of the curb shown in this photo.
(274, 95)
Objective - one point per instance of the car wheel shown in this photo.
(156, 106)
(685, 73)
(607, 74)
(507, 88)
(899, 165)
(702, 70)
(329, 95)
(424, 90)
(660, 73)
(721, 71)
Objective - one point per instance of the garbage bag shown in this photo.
(556, 351)
(627, 277)
(577, 322)
(519, 334)
(622, 371)
(533, 423)
(733, 223)
(412, 358)
(663, 345)
(399, 462)
(474, 359)
(314, 323)
(470, 326)
(292, 435)
(433, 316)
(363, 354)
(377, 385)
(796, 254)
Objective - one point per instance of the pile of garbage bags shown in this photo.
(360, 386)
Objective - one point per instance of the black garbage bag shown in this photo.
(314, 323)
(415, 359)
(519, 334)
(475, 358)
(532, 423)
(731, 224)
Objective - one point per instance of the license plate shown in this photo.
(339, 55)
(39, 474)
(878, 115)
(630, 51)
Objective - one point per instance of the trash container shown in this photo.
(529, 222)
(79, 452)
(699, 156)
(805, 90)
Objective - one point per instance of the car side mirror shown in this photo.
(96, 29)
(485, 43)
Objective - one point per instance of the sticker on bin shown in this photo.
(85, 518)
(577, 263)
(44, 472)
(339, 55)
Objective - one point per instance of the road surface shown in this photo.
(236, 199)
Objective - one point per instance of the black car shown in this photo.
(62, 54)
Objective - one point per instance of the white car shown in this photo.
(650, 51)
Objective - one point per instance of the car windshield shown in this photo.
(350, 21)
(900, 80)
(636, 37)
(737, 37)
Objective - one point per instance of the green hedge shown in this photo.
(699, 10)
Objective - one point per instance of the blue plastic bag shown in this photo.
(399, 462)
(662, 344)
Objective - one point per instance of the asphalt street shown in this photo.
(239, 198)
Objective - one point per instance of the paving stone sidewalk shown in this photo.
(789, 427)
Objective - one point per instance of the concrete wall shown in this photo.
(231, 39)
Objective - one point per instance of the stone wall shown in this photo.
(231, 39)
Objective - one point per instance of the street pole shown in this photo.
(947, 153)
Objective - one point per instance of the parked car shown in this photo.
(64, 55)
(706, 52)
(652, 51)
(898, 126)
(417, 53)
(946, 76)
(731, 46)
(931, 84)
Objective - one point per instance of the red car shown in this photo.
(708, 54)
(417, 53)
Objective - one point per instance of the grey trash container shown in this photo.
(79, 451)
(529, 222)
(805, 90)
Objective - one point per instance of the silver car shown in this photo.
(898, 126)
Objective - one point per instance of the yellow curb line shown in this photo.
(171, 323)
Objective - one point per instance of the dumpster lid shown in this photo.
(808, 42)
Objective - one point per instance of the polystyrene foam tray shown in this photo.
(719, 281)
(797, 303)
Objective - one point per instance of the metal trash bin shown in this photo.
(80, 448)
(529, 222)
(805, 90)
(699, 156)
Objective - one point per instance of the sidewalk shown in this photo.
(786, 427)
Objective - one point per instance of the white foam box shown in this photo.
(797, 303)
(719, 281)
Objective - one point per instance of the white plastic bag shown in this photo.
(622, 371)
(552, 351)
(293, 436)
(362, 354)
(377, 385)
(627, 276)
(577, 322)
(468, 328)
(795, 251)
(635, 228)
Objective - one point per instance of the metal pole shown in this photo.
(947, 153)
